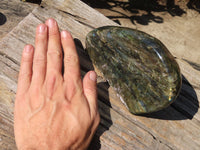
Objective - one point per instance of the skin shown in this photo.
(54, 111)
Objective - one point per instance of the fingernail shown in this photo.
(51, 23)
(93, 76)
(28, 49)
(65, 34)
(42, 28)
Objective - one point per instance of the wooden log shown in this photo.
(176, 127)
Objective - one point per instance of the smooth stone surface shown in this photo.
(138, 66)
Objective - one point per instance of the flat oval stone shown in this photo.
(138, 66)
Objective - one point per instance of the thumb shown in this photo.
(90, 91)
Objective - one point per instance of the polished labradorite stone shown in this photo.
(138, 66)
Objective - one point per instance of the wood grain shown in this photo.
(11, 13)
(176, 127)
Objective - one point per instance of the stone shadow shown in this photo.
(134, 6)
(104, 110)
(103, 97)
(184, 107)
(3, 19)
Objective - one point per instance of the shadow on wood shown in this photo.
(194, 65)
(104, 110)
(33, 1)
(184, 107)
(103, 97)
(3, 19)
(194, 4)
(134, 7)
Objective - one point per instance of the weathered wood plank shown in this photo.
(11, 13)
(168, 129)
(80, 12)
(7, 95)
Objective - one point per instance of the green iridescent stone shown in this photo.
(138, 66)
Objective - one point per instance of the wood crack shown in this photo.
(77, 18)
(11, 59)
(194, 65)
(37, 17)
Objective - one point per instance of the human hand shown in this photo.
(54, 111)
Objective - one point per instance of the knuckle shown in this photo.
(26, 58)
(97, 120)
(90, 90)
(40, 38)
(97, 117)
(54, 53)
(39, 59)
(70, 59)
(53, 33)
(22, 75)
